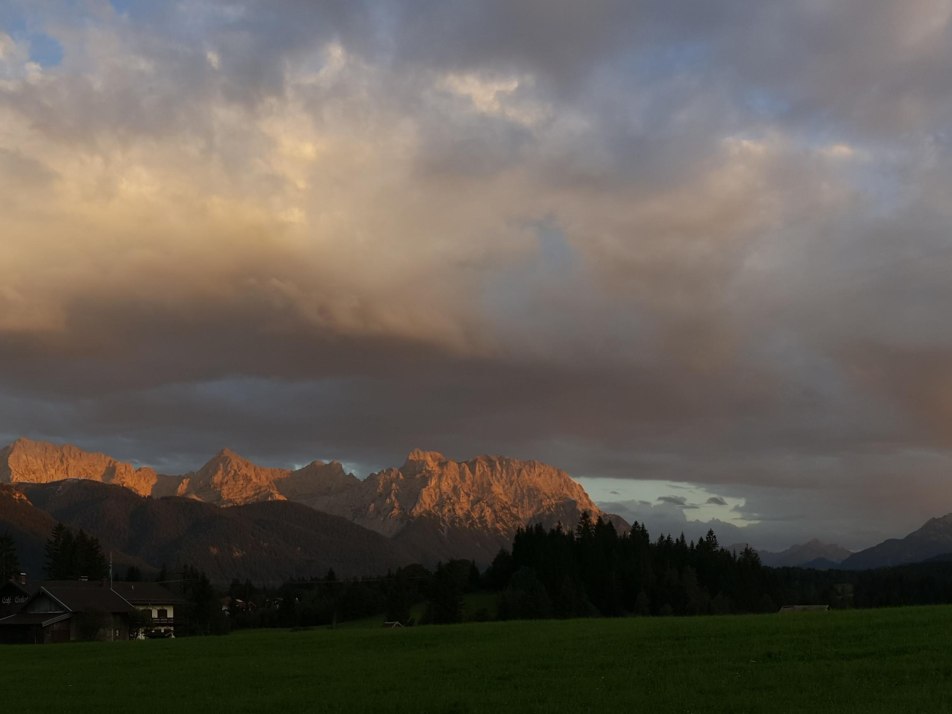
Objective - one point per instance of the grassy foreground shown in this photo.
(859, 661)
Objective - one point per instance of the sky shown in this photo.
(696, 254)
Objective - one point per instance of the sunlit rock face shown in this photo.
(439, 506)
(489, 493)
(315, 481)
(26, 461)
(230, 480)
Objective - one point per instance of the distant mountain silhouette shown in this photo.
(812, 554)
(931, 540)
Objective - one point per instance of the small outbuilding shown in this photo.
(790, 609)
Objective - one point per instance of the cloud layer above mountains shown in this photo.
(707, 243)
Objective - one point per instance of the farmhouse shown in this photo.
(64, 611)
(68, 610)
(155, 604)
(13, 595)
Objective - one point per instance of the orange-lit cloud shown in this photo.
(703, 244)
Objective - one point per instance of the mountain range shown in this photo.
(931, 541)
(235, 518)
(812, 554)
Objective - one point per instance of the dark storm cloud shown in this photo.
(703, 243)
(679, 501)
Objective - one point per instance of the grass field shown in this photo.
(858, 661)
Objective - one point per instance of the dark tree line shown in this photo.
(202, 614)
(928, 583)
(408, 595)
(595, 571)
(590, 571)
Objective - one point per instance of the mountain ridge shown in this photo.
(813, 553)
(466, 509)
(932, 539)
(29, 461)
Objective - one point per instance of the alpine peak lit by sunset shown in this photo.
(698, 255)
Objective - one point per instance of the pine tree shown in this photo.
(398, 600)
(88, 559)
(9, 563)
(55, 555)
(446, 597)
(203, 610)
(69, 557)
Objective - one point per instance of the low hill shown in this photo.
(266, 542)
(27, 525)
(30, 527)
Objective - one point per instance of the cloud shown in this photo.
(636, 241)
(717, 501)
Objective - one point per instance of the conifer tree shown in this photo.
(69, 557)
(9, 563)
(55, 552)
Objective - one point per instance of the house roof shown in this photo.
(43, 619)
(146, 593)
(12, 586)
(78, 596)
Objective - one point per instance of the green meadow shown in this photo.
(897, 660)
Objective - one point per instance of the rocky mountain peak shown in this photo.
(28, 461)
(489, 494)
(229, 479)
(316, 481)
(430, 458)
(225, 456)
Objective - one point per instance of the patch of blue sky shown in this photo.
(668, 59)
(765, 104)
(127, 7)
(554, 250)
(12, 21)
(525, 300)
(45, 50)
(512, 290)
